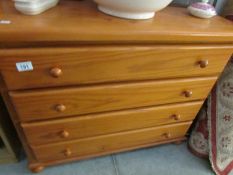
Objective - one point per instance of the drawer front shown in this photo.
(45, 104)
(84, 65)
(109, 143)
(93, 125)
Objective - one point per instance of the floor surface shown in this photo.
(160, 160)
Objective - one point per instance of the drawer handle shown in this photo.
(67, 152)
(176, 117)
(64, 134)
(60, 108)
(188, 93)
(167, 135)
(56, 72)
(203, 63)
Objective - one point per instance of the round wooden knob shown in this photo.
(176, 117)
(67, 152)
(188, 93)
(167, 135)
(64, 134)
(60, 108)
(203, 63)
(56, 72)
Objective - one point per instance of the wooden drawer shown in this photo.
(55, 103)
(83, 65)
(99, 124)
(109, 143)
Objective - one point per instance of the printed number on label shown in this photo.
(24, 66)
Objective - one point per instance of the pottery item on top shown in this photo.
(202, 9)
(34, 7)
(132, 9)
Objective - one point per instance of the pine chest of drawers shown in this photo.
(80, 84)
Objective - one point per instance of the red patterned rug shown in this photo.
(213, 134)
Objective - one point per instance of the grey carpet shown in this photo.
(162, 160)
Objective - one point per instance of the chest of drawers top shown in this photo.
(79, 22)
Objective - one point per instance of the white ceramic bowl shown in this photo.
(34, 7)
(132, 9)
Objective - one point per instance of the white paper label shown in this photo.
(24, 66)
(5, 22)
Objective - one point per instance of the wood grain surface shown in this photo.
(81, 22)
(111, 142)
(43, 104)
(45, 132)
(54, 67)
(100, 84)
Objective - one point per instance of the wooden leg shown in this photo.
(178, 142)
(36, 168)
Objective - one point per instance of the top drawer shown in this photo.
(85, 65)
